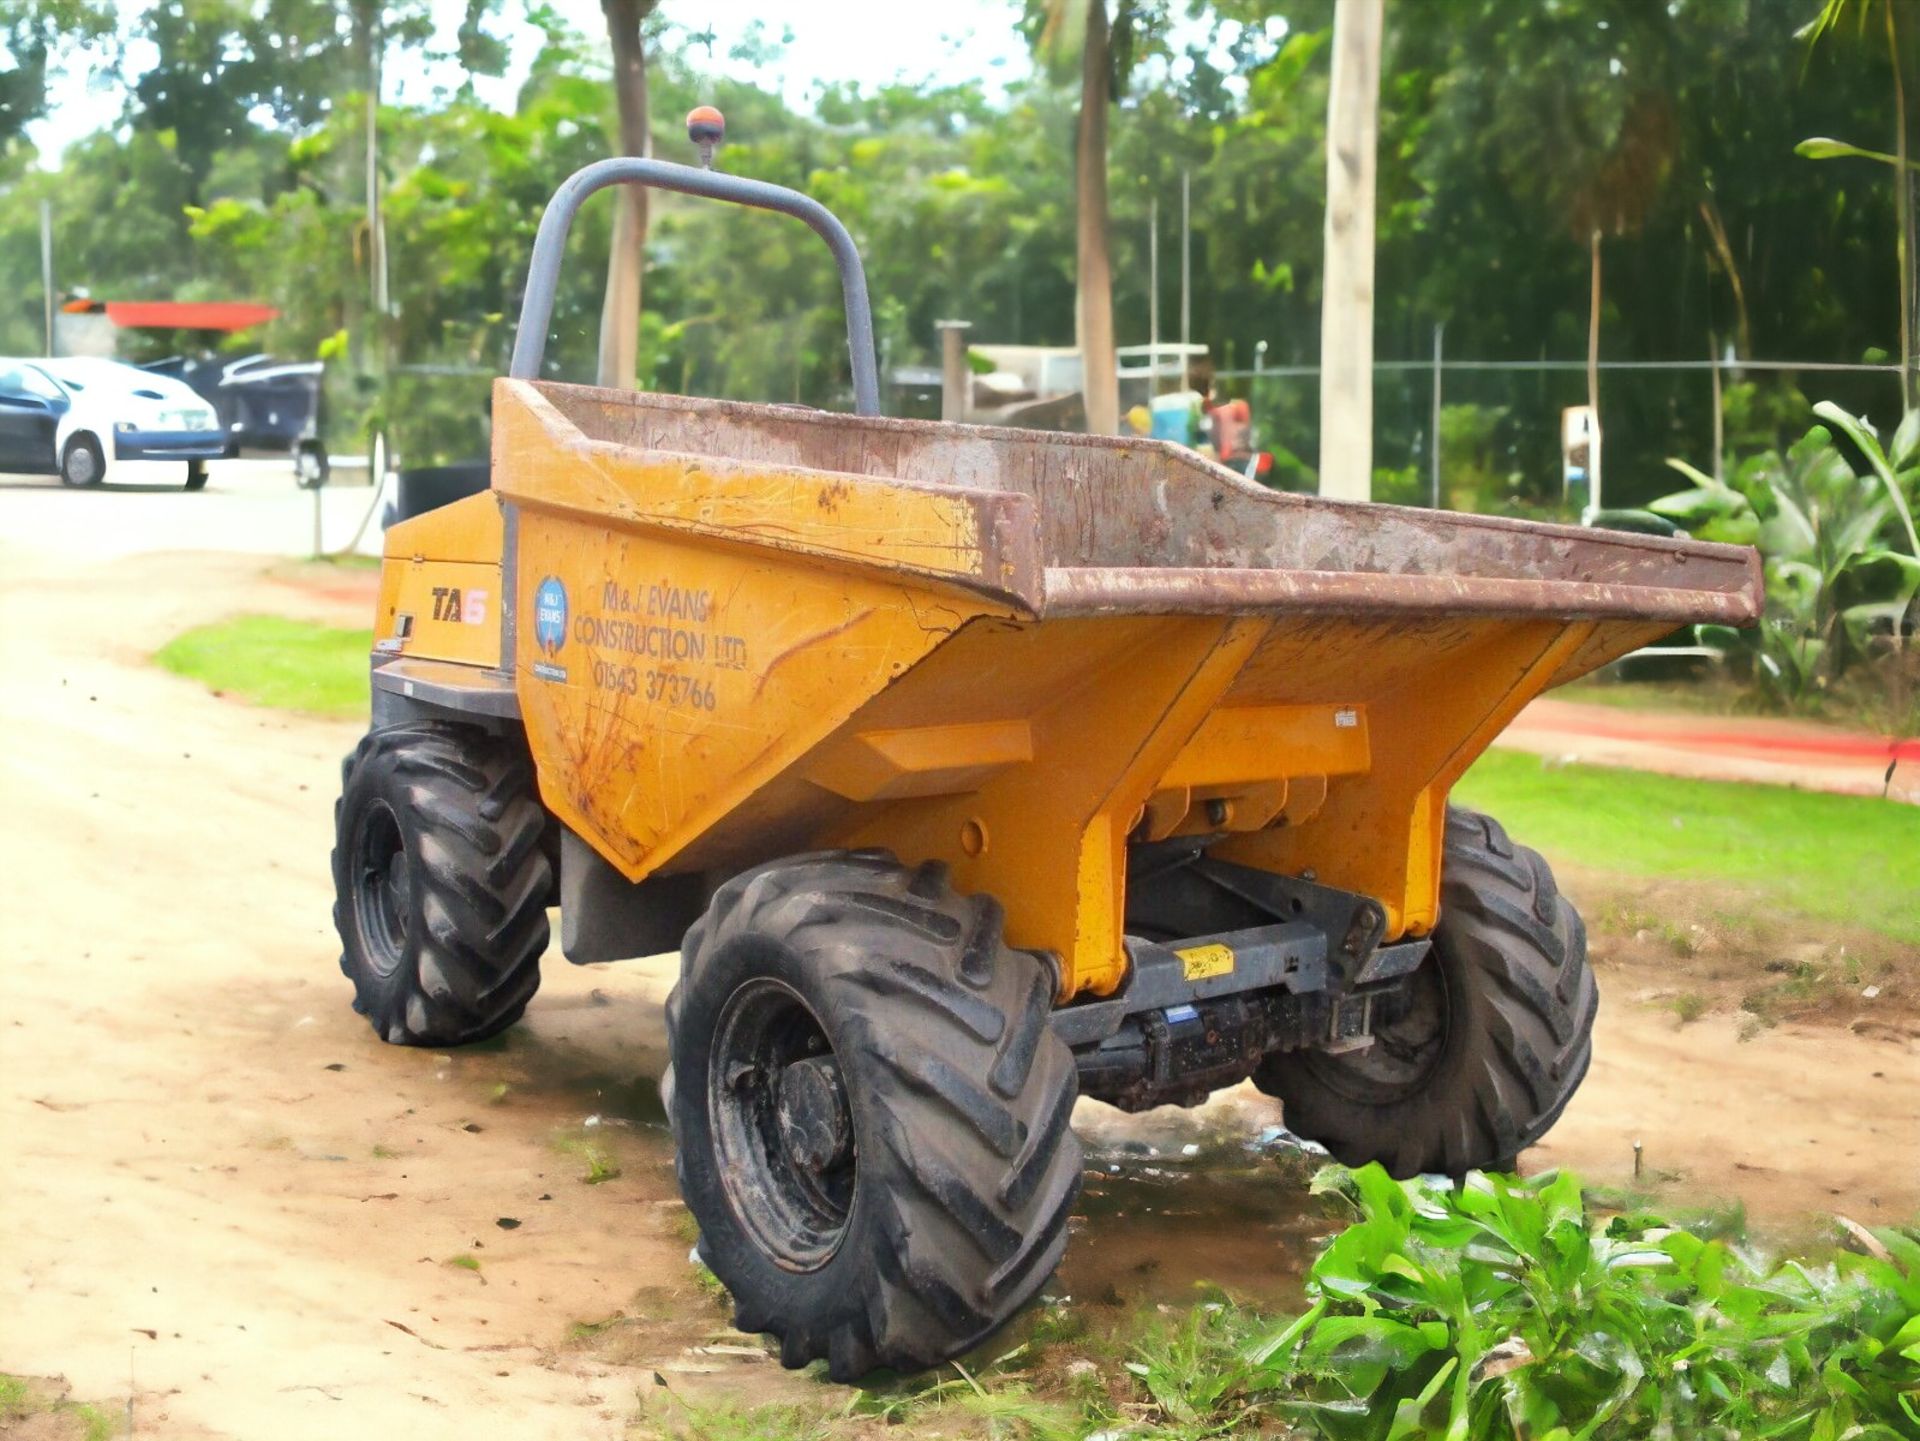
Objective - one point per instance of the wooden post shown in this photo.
(956, 376)
(1346, 301)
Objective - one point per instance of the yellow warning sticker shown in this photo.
(1200, 963)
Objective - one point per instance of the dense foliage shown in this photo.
(1839, 545)
(1503, 1308)
(1509, 131)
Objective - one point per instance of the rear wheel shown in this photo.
(440, 883)
(82, 462)
(871, 1112)
(1487, 1044)
(196, 475)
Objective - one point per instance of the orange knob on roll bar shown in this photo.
(706, 127)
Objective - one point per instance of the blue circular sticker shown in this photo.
(550, 615)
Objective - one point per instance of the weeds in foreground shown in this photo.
(1495, 1310)
(1501, 1309)
(24, 1401)
(1800, 988)
(1688, 1007)
(599, 1162)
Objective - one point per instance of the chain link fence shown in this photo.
(1485, 435)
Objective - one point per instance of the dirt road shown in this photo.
(224, 1197)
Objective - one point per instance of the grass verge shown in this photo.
(1827, 857)
(42, 1406)
(272, 661)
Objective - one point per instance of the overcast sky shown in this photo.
(871, 41)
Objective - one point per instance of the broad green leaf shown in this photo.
(1693, 473)
(1741, 528)
(1869, 445)
(1904, 449)
(1819, 147)
(1699, 505)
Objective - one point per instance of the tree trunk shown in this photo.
(1593, 377)
(1903, 197)
(1346, 296)
(620, 310)
(1100, 384)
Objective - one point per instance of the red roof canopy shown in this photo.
(188, 314)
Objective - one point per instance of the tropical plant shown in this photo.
(1841, 555)
(1502, 1309)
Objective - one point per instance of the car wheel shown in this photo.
(82, 463)
(196, 475)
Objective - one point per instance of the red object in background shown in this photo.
(1231, 423)
(178, 314)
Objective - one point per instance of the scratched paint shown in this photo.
(747, 631)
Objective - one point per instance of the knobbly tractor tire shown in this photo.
(1491, 1041)
(871, 1113)
(441, 883)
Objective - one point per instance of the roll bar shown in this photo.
(543, 271)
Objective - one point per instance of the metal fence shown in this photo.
(1485, 434)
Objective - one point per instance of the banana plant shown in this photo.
(1841, 553)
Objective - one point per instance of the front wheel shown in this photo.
(82, 462)
(1480, 1054)
(196, 475)
(871, 1113)
(440, 883)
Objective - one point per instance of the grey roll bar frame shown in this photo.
(549, 245)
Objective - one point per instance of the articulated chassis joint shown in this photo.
(1201, 1013)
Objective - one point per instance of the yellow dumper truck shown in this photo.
(972, 772)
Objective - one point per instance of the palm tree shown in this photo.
(620, 310)
(1880, 15)
(1068, 26)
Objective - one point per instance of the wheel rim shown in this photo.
(80, 466)
(1408, 1047)
(782, 1125)
(383, 888)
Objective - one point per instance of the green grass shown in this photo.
(1826, 857)
(272, 661)
(20, 1402)
(1714, 697)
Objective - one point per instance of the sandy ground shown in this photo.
(229, 1208)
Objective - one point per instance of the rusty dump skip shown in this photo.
(1085, 525)
(737, 632)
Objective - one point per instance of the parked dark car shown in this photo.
(264, 404)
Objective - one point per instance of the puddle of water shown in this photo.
(1172, 1218)
(585, 1068)
(1176, 1205)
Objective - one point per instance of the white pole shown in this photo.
(1153, 296)
(1434, 444)
(1346, 300)
(46, 265)
(1186, 269)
